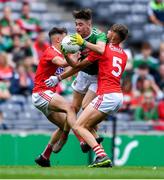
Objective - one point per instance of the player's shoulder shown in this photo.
(116, 49)
(52, 51)
(48, 50)
(96, 31)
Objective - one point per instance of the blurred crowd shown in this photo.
(22, 42)
(143, 85)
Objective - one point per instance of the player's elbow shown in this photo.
(73, 65)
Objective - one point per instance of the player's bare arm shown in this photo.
(60, 62)
(54, 80)
(99, 47)
(76, 66)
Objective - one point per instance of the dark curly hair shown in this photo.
(85, 14)
(121, 30)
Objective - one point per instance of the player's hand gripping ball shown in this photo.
(68, 46)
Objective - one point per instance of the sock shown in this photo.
(47, 152)
(99, 151)
(64, 135)
(78, 136)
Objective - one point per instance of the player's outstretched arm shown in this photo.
(54, 80)
(76, 68)
(74, 63)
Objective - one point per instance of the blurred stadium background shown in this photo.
(24, 131)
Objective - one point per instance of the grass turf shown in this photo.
(80, 172)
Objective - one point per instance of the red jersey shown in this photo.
(111, 66)
(46, 68)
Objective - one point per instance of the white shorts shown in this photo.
(108, 103)
(85, 82)
(41, 101)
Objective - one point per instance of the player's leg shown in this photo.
(45, 101)
(43, 159)
(95, 112)
(63, 132)
(80, 87)
(62, 139)
(88, 118)
(59, 104)
(89, 96)
(77, 100)
(84, 87)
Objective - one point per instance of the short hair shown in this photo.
(56, 30)
(121, 30)
(146, 46)
(25, 3)
(85, 14)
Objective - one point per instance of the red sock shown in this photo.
(99, 151)
(64, 135)
(47, 152)
(78, 136)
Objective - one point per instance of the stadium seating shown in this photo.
(18, 111)
(133, 13)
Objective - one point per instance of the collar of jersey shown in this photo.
(56, 50)
(88, 36)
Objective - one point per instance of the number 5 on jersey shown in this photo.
(116, 63)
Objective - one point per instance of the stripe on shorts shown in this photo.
(45, 96)
(99, 101)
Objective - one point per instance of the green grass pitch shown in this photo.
(80, 172)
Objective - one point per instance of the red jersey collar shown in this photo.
(56, 49)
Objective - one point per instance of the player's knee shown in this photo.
(84, 105)
(75, 128)
(95, 127)
(60, 126)
(75, 108)
(87, 126)
(70, 109)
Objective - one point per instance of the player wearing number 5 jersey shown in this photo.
(109, 95)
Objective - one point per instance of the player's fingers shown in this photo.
(73, 40)
(47, 82)
(73, 36)
(49, 85)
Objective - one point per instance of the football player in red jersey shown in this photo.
(45, 99)
(109, 94)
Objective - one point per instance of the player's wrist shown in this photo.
(59, 78)
(84, 44)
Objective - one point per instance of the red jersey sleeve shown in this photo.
(93, 56)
